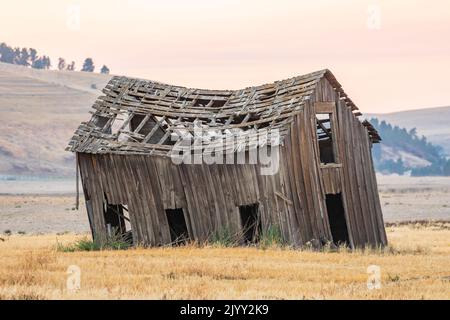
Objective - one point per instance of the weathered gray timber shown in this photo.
(324, 188)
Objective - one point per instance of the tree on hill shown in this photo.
(403, 140)
(6, 53)
(24, 59)
(88, 65)
(17, 56)
(42, 63)
(46, 62)
(33, 55)
(104, 70)
(37, 64)
(61, 64)
(29, 57)
(71, 66)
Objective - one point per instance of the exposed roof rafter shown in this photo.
(173, 109)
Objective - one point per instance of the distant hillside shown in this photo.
(403, 150)
(433, 123)
(39, 111)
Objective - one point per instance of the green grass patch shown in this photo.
(223, 238)
(271, 237)
(115, 241)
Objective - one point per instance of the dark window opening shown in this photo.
(140, 125)
(246, 117)
(178, 228)
(100, 122)
(184, 99)
(251, 223)
(325, 137)
(117, 221)
(209, 103)
(214, 102)
(336, 217)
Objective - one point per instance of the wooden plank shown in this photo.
(344, 144)
(324, 107)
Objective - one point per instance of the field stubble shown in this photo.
(416, 265)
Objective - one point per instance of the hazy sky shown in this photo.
(389, 55)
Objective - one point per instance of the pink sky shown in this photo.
(397, 62)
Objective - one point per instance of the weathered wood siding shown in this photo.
(354, 175)
(210, 195)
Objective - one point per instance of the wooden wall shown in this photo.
(293, 199)
(354, 174)
(208, 194)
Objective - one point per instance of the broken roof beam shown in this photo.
(324, 129)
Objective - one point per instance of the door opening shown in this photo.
(117, 221)
(178, 228)
(251, 223)
(336, 217)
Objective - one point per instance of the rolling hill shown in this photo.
(433, 123)
(39, 111)
(403, 151)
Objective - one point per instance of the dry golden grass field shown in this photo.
(415, 266)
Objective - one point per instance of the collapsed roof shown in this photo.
(145, 117)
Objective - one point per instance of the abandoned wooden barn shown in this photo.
(321, 187)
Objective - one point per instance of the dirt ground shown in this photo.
(414, 198)
(48, 206)
(41, 214)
